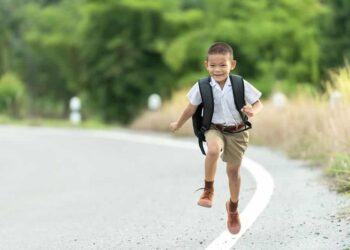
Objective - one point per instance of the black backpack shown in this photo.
(201, 119)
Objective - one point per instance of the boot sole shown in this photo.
(204, 205)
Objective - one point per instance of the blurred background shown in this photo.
(113, 54)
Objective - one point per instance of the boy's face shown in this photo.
(219, 66)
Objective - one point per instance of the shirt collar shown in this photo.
(213, 82)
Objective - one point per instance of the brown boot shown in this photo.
(206, 199)
(233, 221)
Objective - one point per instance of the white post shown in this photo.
(75, 105)
(279, 100)
(335, 98)
(154, 102)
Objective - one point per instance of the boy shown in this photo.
(231, 146)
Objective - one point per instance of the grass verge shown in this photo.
(87, 124)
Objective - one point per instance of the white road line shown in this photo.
(256, 205)
(260, 199)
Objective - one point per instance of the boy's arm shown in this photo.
(251, 110)
(186, 114)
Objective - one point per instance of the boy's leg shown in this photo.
(234, 180)
(215, 146)
(236, 145)
(211, 158)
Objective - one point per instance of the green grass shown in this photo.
(339, 170)
(87, 124)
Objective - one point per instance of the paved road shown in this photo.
(74, 189)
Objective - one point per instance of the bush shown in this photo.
(12, 92)
(339, 81)
(339, 169)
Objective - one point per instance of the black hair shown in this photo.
(220, 48)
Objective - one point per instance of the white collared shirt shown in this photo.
(225, 111)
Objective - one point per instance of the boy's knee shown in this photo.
(233, 170)
(213, 150)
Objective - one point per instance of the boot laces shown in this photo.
(207, 192)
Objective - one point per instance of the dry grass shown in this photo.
(305, 129)
(309, 128)
(160, 120)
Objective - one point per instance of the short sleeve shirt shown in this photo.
(225, 111)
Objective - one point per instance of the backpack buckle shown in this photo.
(203, 129)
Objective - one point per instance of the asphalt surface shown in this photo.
(71, 189)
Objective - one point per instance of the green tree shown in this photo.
(115, 53)
(123, 61)
(336, 34)
(10, 34)
(12, 94)
(53, 63)
(274, 40)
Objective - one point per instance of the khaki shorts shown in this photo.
(232, 146)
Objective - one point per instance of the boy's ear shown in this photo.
(206, 64)
(233, 64)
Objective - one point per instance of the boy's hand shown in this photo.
(173, 126)
(248, 110)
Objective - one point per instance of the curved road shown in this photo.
(79, 189)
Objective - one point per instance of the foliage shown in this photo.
(339, 81)
(123, 64)
(272, 39)
(12, 94)
(339, 169)
(53, 56)
(113, 54)
(336, 34)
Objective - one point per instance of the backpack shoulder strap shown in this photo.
(237, 83)
(207, 106)
(207, 101)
